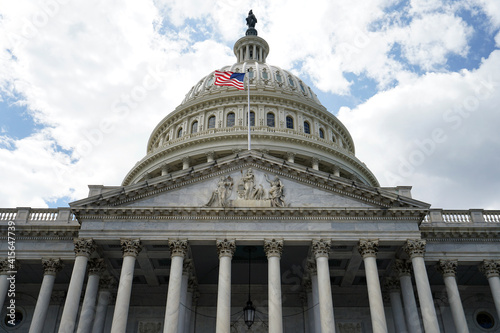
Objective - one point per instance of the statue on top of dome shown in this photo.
(251, 20)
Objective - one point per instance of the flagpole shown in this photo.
(248, 87)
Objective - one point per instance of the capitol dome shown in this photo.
(288, 122)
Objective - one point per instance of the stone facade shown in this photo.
(298, 225)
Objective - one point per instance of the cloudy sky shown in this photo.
(84, 82)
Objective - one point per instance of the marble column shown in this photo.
(4, 283)
(404, 269)
(316, 316)
(290, 156)
(178, 250)
(83, 249)
(491, 269)
(321, 250)
(393, 287)
(192, 285)
(273, 249)
(106, 285)
(50, 268)
(225, 249)
(186, 270)
(130, 250)
(449, 270)
(96, 267)
(415, 248)
(368, 250)
(307, 285)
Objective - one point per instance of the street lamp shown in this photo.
(249, 310)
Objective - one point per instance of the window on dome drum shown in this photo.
(211, 122)
(230, 119)
(250, 73)
(252, 118)
(321, 133)
(289, 122)
(307, 128)
(302, 88)
(333, 137)
(194, 127)
(270, 119)
(179, 132)
(278, 77)
(264, 75)
(290, 81)
(210, 81)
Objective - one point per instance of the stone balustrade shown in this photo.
(34, 215)
(465, 217)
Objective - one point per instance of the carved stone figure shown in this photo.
(223, 191)
(249, 184)
(276, 192)
(251, 20)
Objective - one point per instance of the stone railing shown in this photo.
(462, 216)
(30, 215)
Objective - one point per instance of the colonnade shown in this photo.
(405, 313)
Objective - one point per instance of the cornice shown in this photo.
(318, 179)
(215, 136)
(261, 214)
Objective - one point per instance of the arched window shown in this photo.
(211, 122)
(264, 74)
(250, 73)
(278, 77)
(321, 133)
(333, 137)
(252, 119)
(289, 122)
(270, 119)
(307, 128)
(179, 132)
(230, 119)
(194, 127)
(290, 81)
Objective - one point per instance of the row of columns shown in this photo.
(92, 319)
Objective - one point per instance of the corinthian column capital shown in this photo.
(403, 267)
(96, 266)
(178, 247)
(368, 248)
(415, 247)
(131, 247)
(225, 247)
(321, 248)
(447, 267)
(84, 246)
(490, 268)
(392, 284)
(52, 266)
(273, 247)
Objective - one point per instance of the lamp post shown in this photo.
(249, 310)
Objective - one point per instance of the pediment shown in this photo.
(249, 181)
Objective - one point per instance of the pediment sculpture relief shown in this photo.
(249, 193)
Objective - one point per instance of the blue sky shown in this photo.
(415, 82)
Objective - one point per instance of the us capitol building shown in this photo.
(294, 235)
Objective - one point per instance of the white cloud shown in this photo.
(80, 67)
(437, 133)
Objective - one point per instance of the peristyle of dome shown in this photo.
(287, 122)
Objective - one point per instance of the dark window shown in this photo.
(485, 320)
(230, 119)
(264, 75)
(278, 77)
(252, 118)
(321, 133)
(290, 81)
(179, 132)
(250, 73)
(194, 127)
(307, 128)
(289, 122)
(211, 122)
(270, 119)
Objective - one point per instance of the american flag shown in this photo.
(229, 79)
